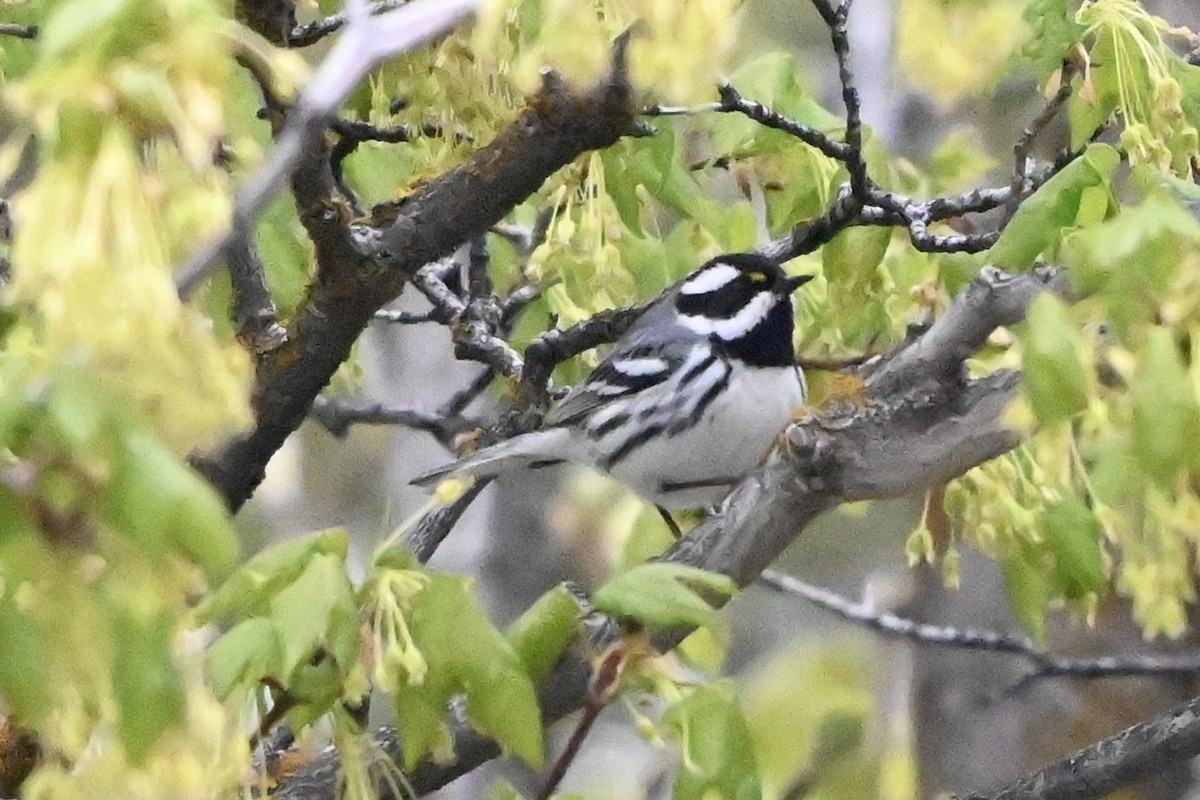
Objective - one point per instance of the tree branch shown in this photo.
(19, 31)
(336, 415)
(1093, 772)
(1046, 664)
(254, 310)
(361, 268)
(361, 48)
(312, 32)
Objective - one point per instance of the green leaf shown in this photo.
(664, 595)
(854, 255)
(1166, 416)
(1039, 223)
(1028, 593)
(244, 654)
(1133, 260)
(1072, 535)
(162, 504)
(308, 613)
(543, 632)
(1058, 375)
(24, 678)
(250, 589)
(466, 654)
(148, 687)
(1053, 32)
(73, 22)
(718, 752)
(74, 412)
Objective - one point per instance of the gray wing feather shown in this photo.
(644, 360)
(491, 461)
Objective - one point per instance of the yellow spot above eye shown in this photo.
(757, 277)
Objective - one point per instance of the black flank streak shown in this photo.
(706, 399)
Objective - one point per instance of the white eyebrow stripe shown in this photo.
(741, 323)
(638, 367)
(710, 279)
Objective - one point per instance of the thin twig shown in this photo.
(404, 317)
(603, 688)
(447, 306)
(19, 31)
(836, 19)
(554, 347)
(312, 32)
(434, 527)
(733, 102)
(1022, 165)
(1046, 664)
(338, 414)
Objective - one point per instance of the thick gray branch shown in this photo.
(993, 299)
(1111, 763)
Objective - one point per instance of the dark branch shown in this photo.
(836, 18)
(1022, 166)
(1046, 664)
(19, 31)
(1138, 752)
(312, 32)
(254, 311)
(404, 317)
(556, 346)
(362, 47)
(359, 268)
(338, 414)
(733, 102)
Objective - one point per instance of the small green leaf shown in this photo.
(307, 612)
(1058, 376)
(718, 752)
(1151, 236)
(1028, 593)
(1040, 222)
(250, 589)
(1053, 32)
(24, 678)
(501, 701)
(244, 654)
(543, 632)
(1166, 416)
(147, 684)
(661, 594)
(162, 504)
(1072, 534)
(74, 411)
(854, 254)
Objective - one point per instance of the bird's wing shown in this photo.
(640, 363)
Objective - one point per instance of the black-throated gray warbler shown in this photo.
(689, 399)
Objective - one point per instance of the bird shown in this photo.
(688, 400)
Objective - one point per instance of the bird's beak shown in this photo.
(796, 281)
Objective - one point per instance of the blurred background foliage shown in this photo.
(111, 121)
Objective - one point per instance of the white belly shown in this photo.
(730, 440)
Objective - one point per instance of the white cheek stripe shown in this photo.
(636, 367)
(710, 279)
(736, 326)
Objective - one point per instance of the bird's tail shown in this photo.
(528, 449)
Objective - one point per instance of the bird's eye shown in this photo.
(757, 277)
